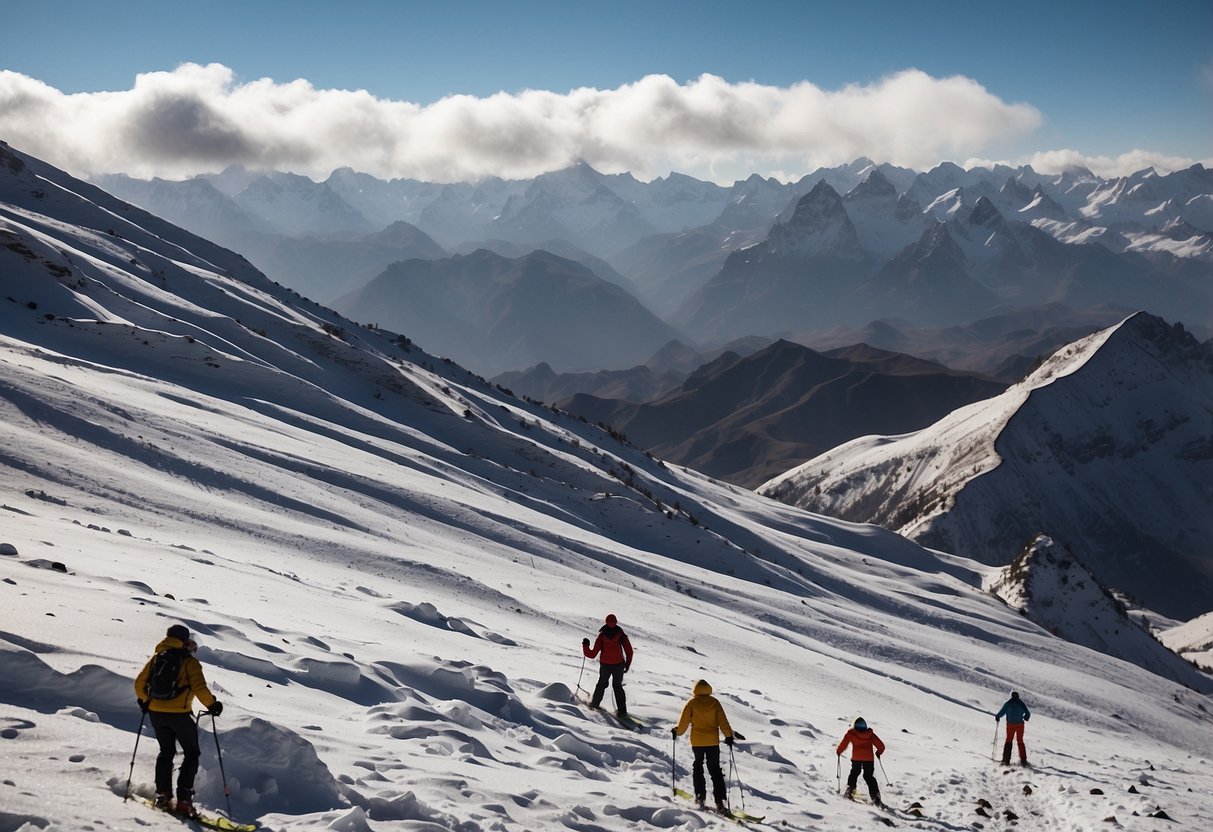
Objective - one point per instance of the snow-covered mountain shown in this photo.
(390, 564)
(1143, 240)
(494, 313)
(1053, 588)
(792, 280)
(296, 205)
(1107, 448)
(744, 419)
(1193, 640)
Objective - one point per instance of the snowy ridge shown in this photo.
(1056, 591)
(1105, 447)
(1193, 640)
(390, 563)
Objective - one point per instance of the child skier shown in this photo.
(863, 741)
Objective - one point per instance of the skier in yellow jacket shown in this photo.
(166, 688)
(704, 714)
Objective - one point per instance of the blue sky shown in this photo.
(1105, 78)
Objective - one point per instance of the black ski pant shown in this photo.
(709, 754)
(611, 674)
(868, 767)
(173, 729)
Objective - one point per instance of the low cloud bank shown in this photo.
(202, 118)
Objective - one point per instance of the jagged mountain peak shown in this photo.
(984, 213)
(1053, 588)
(1015, 189)
(937, 239)
(875, 186)
(821, 204)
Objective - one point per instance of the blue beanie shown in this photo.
(860, 724)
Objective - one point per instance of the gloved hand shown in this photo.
(142, 705)
(216, 708)
(996, 719)
(626, 668)
(585, 642)
(738, 736)
(673, 732)
(728, 741)
(878, 753)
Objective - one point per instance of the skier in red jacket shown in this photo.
(614, 653)
(863, 742)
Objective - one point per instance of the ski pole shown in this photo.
(882, 772)
(838, 771)
(127, 793)
(582, 673)
(994, 750)
(673, 760)
(227, 793)
(733, 774)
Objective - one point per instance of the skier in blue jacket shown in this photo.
(1017, 714)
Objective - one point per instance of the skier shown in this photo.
(1017, 714)
(615, 659)
(705, 716)
(863, 741)
(166, 688)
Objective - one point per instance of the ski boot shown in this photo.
(849, 794)
(163, 801)
(185, 804)
(700, 800)
(723, 809)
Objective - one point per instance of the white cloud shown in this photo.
(1058, 161)
(201, 118)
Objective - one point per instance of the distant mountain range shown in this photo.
(494, 313)
(1107, 448)
(843, 246)
(831, 260)
(745, 419)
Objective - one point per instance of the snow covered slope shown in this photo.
(1056, 591)
(390, 565)
(1193, 640)
(1107, 447)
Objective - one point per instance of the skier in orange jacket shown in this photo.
(614, 653)
(863, 742)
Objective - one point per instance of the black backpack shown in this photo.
(164, 674)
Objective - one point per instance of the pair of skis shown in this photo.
(732, 814)
(203, 819)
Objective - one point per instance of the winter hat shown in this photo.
(1014, 694)
(179, 632)
(610, 619)
(860, 724)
